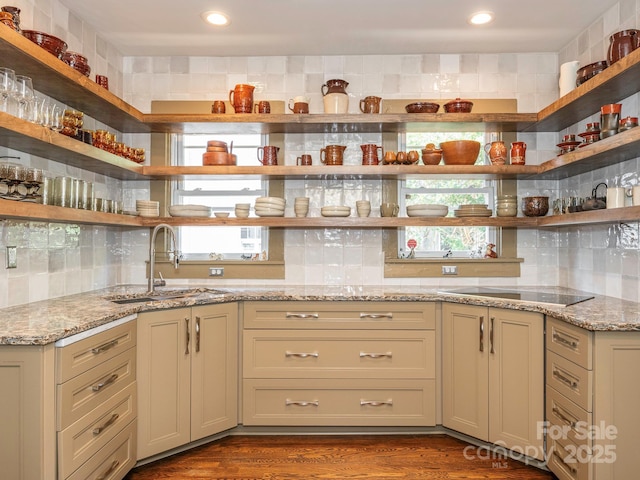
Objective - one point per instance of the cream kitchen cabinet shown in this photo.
(593, 384)
(339, 363)
(188, 375)
(493, 375)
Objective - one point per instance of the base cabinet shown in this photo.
(493, 375)
(350, 364)
(187, 361)
(593, 387)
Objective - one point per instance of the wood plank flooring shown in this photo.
(342, 457)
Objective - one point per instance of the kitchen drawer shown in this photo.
(81, 394)
(344, 402)
(343, 315)
(567, 419)
(572, 381)
(80, 441)
(78, 357)
(341, 354)
(113, 461)
(568, 461)
(571, 342)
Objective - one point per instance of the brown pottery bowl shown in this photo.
(77, 62)
(422, 107)
(458, 106)
(218, 158)
(431, 157)
(51, 44)
(590, 71)
(460, 152)
(535, 206)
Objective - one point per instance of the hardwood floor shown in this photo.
(337, 458)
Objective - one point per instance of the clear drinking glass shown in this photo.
(7, 87)
(25, 97)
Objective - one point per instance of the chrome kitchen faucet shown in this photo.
(152, 255)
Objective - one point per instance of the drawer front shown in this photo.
(571, 342)
(81, 394)
(81, 356)
(79, 442)
(567, 420)
(568, 461)
(113, 461)
(340, 402)
(342, 315)
(570, 380)
(344, 354)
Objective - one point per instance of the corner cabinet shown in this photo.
(53, 77)
(187, 362)
(493, 375)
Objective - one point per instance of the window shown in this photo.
(437, 242)
(198, 242)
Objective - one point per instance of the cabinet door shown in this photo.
(163, 380)
(214, 369)
(616, 418)
(516, 380)
(465, 369)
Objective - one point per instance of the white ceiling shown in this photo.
(313, 27)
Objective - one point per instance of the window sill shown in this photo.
(236, 269)
(466, 267)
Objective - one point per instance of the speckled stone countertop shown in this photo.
(47, 321)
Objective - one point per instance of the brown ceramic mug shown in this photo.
(304, 160)
(268, 155)
(262, 106)
(218, 106)
(299, 107)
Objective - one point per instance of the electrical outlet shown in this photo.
(216, 271)
(12, 257)
(449, 270)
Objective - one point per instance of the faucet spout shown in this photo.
(152, 252)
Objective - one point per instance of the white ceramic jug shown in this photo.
(568, 76)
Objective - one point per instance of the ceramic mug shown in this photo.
(615, 197)
(635, 196)
(304, 159)
(389, 209)
(218, 106)
(262, 106)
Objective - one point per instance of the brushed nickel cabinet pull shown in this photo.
(188, 336)
(302, 403)
(99, 386)
(376, 355)
(302, 315)
(104, 347)
(376, 403)
(376, 315)
(109, 471)
(491, 336)
(573, 384)
(566, 342)
(302, 354)
(482, 334)
(197, 334)
(100, 429)
(558, 413)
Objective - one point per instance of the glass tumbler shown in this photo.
(7, 88)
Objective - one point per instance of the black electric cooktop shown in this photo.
(529, 296)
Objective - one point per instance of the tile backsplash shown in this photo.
(55, 259)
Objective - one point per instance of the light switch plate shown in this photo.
(12, 257)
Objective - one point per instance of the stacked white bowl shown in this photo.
(301, 206)
(189, 211)
(148, 208)
(507, 206)
(427, 210)
(473, 210)
(339, 211)
(242, 210)
(270, 206)
(363, 207)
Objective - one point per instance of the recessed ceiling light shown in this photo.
(216, 18)
(481, 18)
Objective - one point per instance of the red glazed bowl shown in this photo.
(458, 106)
(77, 62)
(422, 107)
(51, 44)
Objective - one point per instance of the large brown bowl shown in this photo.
(458, 106)
(535, 206)
(422, 107)
(589, 71)
(51, 44)
(77, 62)
(460, 152)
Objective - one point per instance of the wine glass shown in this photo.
(7, 87)
(25, 97)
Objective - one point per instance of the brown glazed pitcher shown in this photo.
(332, 154)
(497, 152)
(268, 155)
(242, 98)
(370, 104)
(622, 44)
(370, 154)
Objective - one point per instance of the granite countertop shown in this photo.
(44, 322)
